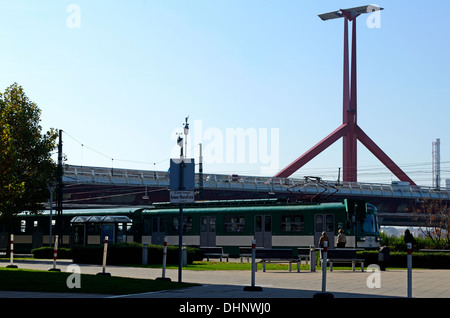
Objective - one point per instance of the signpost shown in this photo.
(182, 186)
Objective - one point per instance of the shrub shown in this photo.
(131, 253)
(47, 252)
(435, 260)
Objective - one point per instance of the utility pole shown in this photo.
(59, 193)
(200, 174)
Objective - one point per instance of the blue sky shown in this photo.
(124, 81)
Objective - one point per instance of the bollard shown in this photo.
(184, 253)
(164, 263)
(312, 258)
(145, 254)
(409, 266)
(11, 257)
(253, 287)
(324, 266)
(55, 255)
(105, 252)
(324, 294)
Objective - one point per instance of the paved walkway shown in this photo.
(275, 284)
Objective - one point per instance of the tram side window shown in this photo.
(330, 223)
(234, 223)
(292, 223)
(319, 223)
(187, 224)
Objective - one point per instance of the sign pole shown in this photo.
(180, 243)
(409, 266)
(182, 187)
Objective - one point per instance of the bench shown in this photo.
(304, 253)
(343, 256)
(433, 250)
(246, 252)
(268, 255)
(213, 252)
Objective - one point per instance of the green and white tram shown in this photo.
(272, 226)
(226, 224)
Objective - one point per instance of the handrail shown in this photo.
(87, 174)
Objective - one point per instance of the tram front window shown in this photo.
(370, 224)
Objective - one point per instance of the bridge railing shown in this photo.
(83, 174)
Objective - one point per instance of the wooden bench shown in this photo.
(343, 256)
(269, 255)
(214, 252)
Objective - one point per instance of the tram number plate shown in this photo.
(182, 196)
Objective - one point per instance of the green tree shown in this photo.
(25, 155)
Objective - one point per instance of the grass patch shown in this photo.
(43, 281)
(229, 266)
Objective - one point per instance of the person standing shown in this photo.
(322, 239)
(341, 239)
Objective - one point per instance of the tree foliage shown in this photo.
(25, 154)
(435, 225)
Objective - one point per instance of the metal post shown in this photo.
(324, 266)
(145, 254)
(59, 193)
(51, 188)
(11, 256)
(105, 252)
(312, 258)
(253, 287)
(200, 174)
(184, 255)
(164, 263)
(180, 243)
(409, 266)
(253, 262)
(55, 255)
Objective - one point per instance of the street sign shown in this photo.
(182, 196)
(182, 180)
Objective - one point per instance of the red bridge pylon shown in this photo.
(349, 130)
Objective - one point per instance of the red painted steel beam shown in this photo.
(314, 151)
(377, 152)
(349, 130)
(350, 167)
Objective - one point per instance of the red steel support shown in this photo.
(314, 151)
(349, 130)
(377, 152)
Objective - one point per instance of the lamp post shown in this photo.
(181, 187)
(186, 132)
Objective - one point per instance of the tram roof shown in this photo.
(101, 219)
(247, 208)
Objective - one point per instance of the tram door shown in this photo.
(158, 230)
(324, 223)
(263, 231)
(208, 231)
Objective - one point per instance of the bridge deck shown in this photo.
(100, 175)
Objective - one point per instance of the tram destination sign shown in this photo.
(182, 180)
